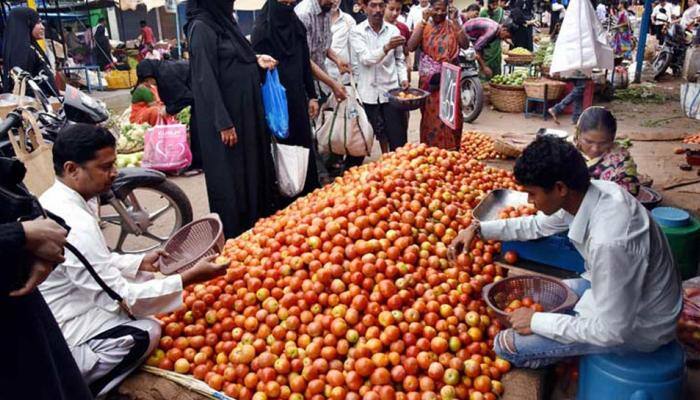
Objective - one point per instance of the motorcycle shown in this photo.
(472, 92)
(672, 53)
(137, 227)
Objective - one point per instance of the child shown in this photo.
(391, 16)
(607, 159)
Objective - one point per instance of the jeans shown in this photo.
(535, 351)
(576, 97)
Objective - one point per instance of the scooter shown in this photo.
(131, 217)
(471, 90)
(672, 53)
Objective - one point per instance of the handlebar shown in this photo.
(12, 121)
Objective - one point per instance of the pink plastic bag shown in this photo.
(166, 148)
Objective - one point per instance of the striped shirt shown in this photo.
(318, 29)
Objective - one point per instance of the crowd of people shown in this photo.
(318, 48)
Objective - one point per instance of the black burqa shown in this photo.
(226, 88)
(175, 91)
(520, 13)
(103, 50)
(21, 50)
(279, 33)
(37, 363)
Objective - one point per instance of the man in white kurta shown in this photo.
(629, 295)
(104, 341)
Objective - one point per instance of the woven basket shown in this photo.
(521, 59)
(552, 294)
(194, 241)
(508, 98)
(535, 88)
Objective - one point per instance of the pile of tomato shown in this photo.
(692, 139)
(348, 292)
(525, 302)
(479, 146)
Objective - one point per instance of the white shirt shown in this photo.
(415, 16)
(340, 29)
(377, 72)
(635, 295)
(658, 18)
(689, 15)
(81, 308)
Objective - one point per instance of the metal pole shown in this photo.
(646, 18)
(177, 31)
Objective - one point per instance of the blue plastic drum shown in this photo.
(671, 217)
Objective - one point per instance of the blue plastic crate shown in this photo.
(556, 251)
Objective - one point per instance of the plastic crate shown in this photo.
(555, 251)
(121, 79)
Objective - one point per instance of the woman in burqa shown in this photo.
(229, 114)
(279, 33)
(20, 49)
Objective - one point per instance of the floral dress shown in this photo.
(617, 165)
(440, 44)
(622, 41)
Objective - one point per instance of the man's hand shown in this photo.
(313, 108)
(339, 92)
(405, 85)
(343, 66)
(205, 270)
(45, 239)
(266, 62)
(39, 272)
(487, 71)
(229, 137)
(150, 261)
(463, 241)
(520, 320)
(394, 42)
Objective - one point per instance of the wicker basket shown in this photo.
(520, 59)
(552, 294)
(408, 104)
(194, 241)
(508, 98)
(121, 79)
(535, 88)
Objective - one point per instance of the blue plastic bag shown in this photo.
(275, 103)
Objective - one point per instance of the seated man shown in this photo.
(104, 341)
(483, 31)
(630, 294)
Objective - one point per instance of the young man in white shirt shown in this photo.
(380, 66)
(630, 295)
(691, 15)
(105, 342)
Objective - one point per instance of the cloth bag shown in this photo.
(582, 43)
(275, 103)
(31, 149)
(291, 165)
(690, 100)
(343, 128)
(166, 147)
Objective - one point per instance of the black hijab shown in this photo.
(218, 14)
(172, 78)
(279, 25)
(18, 46)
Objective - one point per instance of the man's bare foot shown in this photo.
(553, 115)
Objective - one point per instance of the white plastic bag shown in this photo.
(291, 164)
(690, 100)
(344, 128)
(582, 43)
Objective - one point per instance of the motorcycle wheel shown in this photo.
(660, 64)
(472, 93)
(158, 210)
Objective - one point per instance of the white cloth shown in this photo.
(582, 44)
(377, 71)
(80, 306)
(98, 357)
(659, 18)
(415, 16)
(340, 29)
(635, 295)
(690, 15)
(601, 12)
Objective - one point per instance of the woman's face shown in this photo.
(288, 3)
(595, 143)
(38, 31)
(439, 11)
